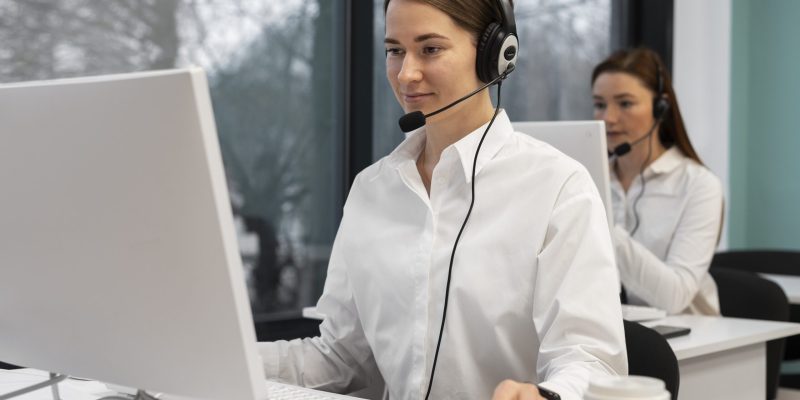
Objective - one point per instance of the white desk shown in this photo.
(70, 389)
(724, 358)
(790, 285)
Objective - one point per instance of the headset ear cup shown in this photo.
(487, 70)
(660, 107)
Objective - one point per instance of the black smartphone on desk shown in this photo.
(668, 331)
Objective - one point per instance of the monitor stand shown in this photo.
(140, 395)
(55, 379)
(52, 382)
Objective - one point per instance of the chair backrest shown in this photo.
(649, 354)
(7, 366)
(763, 261)
(744, 294)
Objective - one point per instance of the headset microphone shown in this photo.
(411, 121)
(620, 150)
(415, 120)
(626, 147)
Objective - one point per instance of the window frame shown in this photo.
(640, 23)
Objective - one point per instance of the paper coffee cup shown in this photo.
(626, 388)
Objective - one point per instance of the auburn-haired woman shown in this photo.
(667, 204)
(530, 290)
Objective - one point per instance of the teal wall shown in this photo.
(765, 125)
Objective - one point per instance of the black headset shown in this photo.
(660, 102)
(498, 45)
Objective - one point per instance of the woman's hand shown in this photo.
(513, 390)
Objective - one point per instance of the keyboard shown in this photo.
(281, 391)
(641, 313)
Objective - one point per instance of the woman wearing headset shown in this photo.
(667, 204)
(530, 292)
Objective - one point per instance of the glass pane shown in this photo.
(560, 42)
(273, 70)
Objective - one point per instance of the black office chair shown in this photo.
(744, 294)
(781, 262)
(760, 261)
(649, 354)
(7, 366)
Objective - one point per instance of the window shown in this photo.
(274, 71)
(560, 43)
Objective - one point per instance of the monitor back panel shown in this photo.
(584, 141)
(117, 249)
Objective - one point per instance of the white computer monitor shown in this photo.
(584, 141)
(117, 247)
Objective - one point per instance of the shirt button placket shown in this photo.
(423, 273)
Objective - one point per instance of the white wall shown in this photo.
(701, 76)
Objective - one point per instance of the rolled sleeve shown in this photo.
(340, 359)
(674, 283)
(577, 312)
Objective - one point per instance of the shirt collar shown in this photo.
(668, 161)
(409, 148)
(501, 129)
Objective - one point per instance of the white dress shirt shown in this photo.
(534, 292)
(665, 263)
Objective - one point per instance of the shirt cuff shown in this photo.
(621, 240)
(619, 235)
(270, 359)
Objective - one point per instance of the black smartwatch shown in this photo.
(548, 394)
